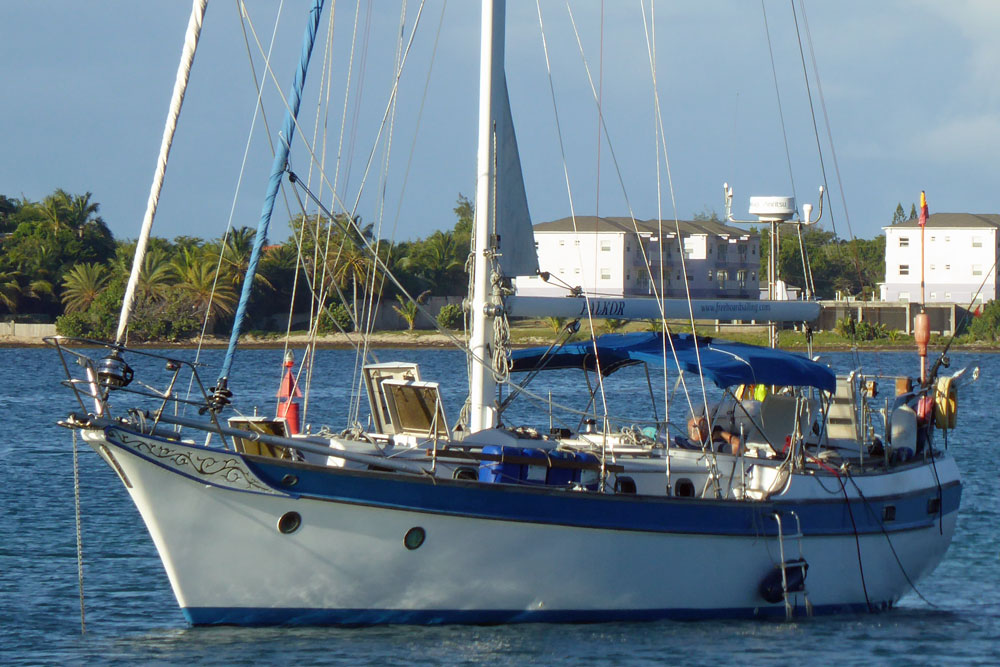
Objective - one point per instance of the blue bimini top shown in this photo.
(723, 362)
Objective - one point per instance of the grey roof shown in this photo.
(591, 224)
(954, 220)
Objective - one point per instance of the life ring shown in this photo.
(945, 404)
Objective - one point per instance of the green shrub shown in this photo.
(986, 325)
(335, 319)
(450, 316)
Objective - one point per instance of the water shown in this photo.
(132, 616)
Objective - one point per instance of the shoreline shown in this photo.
(434, 340)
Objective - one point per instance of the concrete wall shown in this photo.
(27, 330)
(944, 317)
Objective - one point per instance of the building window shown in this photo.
(904, 241)
(576, 242)
(947, 296)
(741, 278)
(576, 271)
(723, 252)
(904, 297)
(723, 276)
(606, 246)
(933, 296)
(710, 275)
(977, 269)
(605, 274)
(947, 267)
(977, 241)
(562, 241)
(932, 267)
(933, 238)
(947, 239)
(904, 269)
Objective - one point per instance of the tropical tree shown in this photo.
(613, 325)
(10, 290)
(196, 279)
(556, 323)
(82, 284)
(407, 310)
(439, 261)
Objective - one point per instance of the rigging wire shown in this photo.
(662, 149)
(657, 289)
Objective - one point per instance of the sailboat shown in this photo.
(418, 520)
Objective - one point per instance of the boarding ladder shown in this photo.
(798, 566)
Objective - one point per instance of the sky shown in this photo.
(906, 91)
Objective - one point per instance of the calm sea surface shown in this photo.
(132, 616)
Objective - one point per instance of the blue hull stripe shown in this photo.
(506, 502)
(267, 616)
(530, 504)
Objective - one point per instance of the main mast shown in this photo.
(482, 385)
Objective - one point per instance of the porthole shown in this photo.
(625, 485)
(289, 522)
(414, 538)
(684, 488)
(289, 480)
(465, 473)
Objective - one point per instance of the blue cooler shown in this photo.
(500, 472)
(534, 473)
(561, 476)
(589, 479)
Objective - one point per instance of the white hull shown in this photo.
(228, 563)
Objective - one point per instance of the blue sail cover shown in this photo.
(723, 362)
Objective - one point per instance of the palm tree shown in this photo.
(10, 290)
(407, 310)
(556, 323)
(196, 278)
(436, 260)
(236, 250)
(82, 215)
(82, 284)
(613, 325)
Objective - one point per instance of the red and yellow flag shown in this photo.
(923, 209)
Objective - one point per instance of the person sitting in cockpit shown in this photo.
(722, 429)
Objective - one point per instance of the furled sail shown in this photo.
(513, 224)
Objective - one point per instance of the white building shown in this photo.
(960, 253)
(619, 257)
